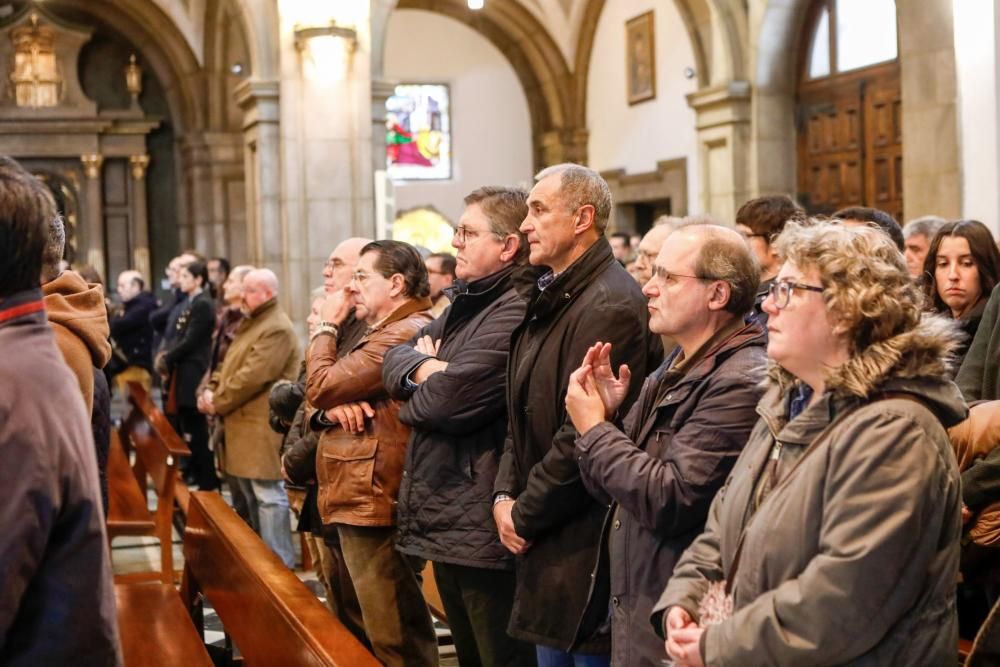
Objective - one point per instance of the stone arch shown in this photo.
(165, 51)
(543, 72)
(220, 36)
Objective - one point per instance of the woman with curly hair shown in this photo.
(960, 271)
(836, 539)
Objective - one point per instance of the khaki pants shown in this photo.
(396, 618)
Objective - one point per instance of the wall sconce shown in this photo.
(304, 34)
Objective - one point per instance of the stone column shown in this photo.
(557, 146)
(327, 153)
(95, 212)
(723, 124)
(259, 101)
(932, 174)
(140, 224)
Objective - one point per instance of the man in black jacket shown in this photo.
(661, 469)
(542, 510)
(132, 332)
(453, 374)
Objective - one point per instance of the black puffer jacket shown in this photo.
(459, 422)
(595, 299)
(132, 331)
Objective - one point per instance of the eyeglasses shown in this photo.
(360, 276)
(665, 276)
(781, 292)
(464, 234)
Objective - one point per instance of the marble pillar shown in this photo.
(95, 246)
(723, 125)
(326, 140)
(140, 224)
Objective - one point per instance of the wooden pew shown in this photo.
(128, 513)
(158, 450)
(156, 629)
(267, 611)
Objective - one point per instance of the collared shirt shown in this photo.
(547, 280)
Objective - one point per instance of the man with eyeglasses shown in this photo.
(362, 444)
(542, 510)
(659, 469)
(441, 275)
(760, 220)
(649, 247)
(453, 374)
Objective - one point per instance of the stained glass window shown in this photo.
(418, 132)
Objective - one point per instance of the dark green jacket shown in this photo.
(979, 380)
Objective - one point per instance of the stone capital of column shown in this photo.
(259, 101)
(726, 104)
(139, 163)
(92, 164)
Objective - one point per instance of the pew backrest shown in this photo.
(271, 616)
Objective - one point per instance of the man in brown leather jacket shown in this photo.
(360, 459)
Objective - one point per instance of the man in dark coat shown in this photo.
(57, 602)
(760, 221)
(660, 471)
(542, 509)
(453, 374)
(132, 332)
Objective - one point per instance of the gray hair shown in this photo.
(55, 246)
(927, 225)
(581, 186)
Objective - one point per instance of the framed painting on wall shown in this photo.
(640, 58)
(418, 132)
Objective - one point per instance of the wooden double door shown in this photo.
(850, 141)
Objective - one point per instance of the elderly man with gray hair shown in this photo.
(264, 351)
(541, 507)
(917, 237)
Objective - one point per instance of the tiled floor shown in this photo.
(142, 554)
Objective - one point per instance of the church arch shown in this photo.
(543, 72)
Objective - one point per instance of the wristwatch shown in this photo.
(500, 497)
(325, 327)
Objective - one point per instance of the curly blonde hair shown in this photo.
(866, 285)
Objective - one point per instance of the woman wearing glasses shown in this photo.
(836, 539)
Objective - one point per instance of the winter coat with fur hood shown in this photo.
(852, 558)
(79, 319)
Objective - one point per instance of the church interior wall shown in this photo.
(491, 125)
(976, 56)
(637, 137)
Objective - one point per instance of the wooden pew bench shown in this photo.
(271, 616)
(158, 450)
(156, 629)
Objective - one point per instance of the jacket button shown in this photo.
(404, 473)
(615, 601)
(669, 396)
(618, 524)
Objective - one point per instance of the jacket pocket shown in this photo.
(347, 471)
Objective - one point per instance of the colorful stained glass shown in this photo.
(418, 132)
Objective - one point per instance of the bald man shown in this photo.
(649, 247)
(132, 332)
(264, 351)
(337, 275)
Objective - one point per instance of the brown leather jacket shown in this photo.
(359, 473)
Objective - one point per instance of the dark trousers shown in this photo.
(478, 603)
(194, 430)
(396, 618)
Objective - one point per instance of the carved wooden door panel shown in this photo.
(850, 142)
